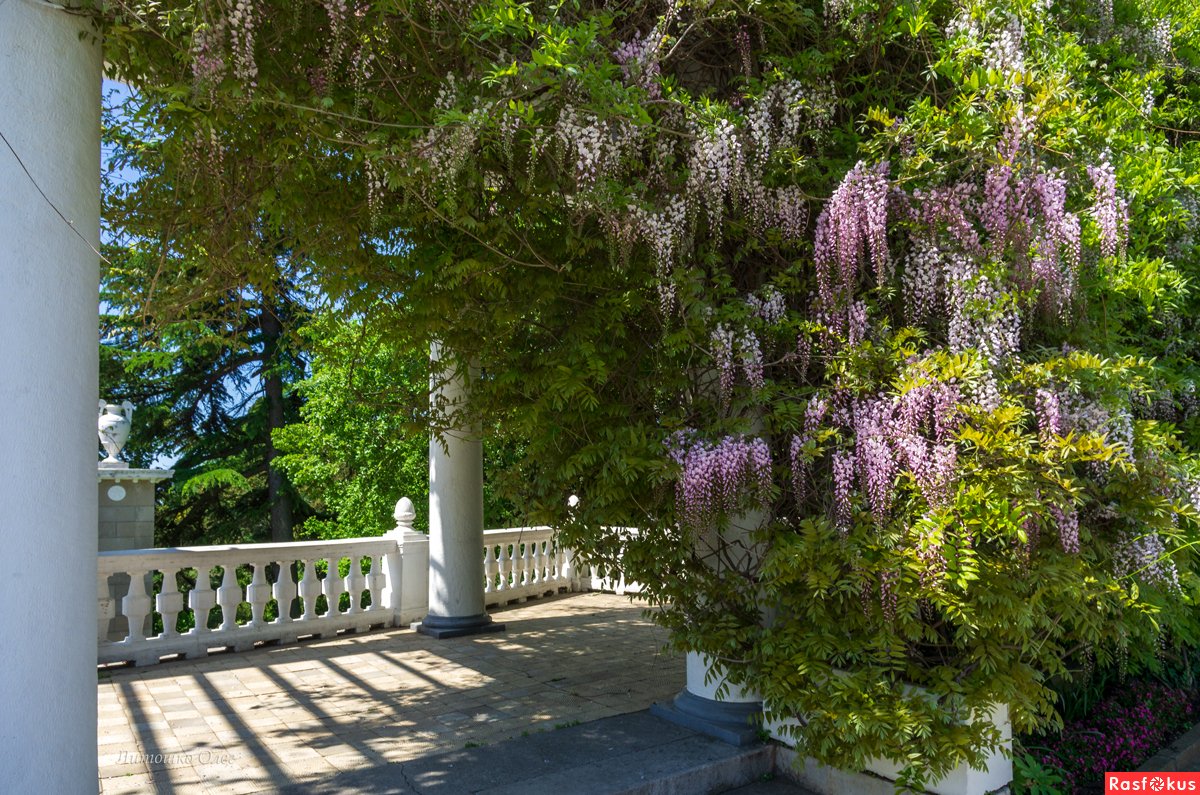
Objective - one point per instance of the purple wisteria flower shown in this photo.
(852, 226)
(716, 477)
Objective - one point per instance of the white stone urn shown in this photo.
(113, 425)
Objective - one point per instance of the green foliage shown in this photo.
(1031, 777)
(362, 441)
(585, 202)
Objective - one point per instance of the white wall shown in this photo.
(50, 113)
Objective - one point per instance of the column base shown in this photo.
(728, 721)
(442, 627)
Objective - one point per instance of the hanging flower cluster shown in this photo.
(913, 432)
(1109, 210)
(1145, 556)
(337, 12)
(716, 478)
(208, 61)
(771, 308)
(814, 416)
(843, 485)
(1049, 414)
(750, 355)
(853, 226)
(243, 19)
(1159, 38)
(446, 150)
(717, 161)
(664, 232)
(638, 58)
(1067, 523)
(1005, 52)
(722, 343)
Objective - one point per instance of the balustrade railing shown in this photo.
(190, 601)
(307, 588)
(601, 578)
(524, 562)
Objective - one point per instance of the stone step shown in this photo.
(633, 754)
(774, 786)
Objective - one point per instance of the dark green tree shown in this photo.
(211, 385)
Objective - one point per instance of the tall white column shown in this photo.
(50, 67)
(456, 605)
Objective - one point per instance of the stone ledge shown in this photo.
(1182, 755)
(824, 780)
(107, 474)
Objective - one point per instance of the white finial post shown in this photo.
(406, 571)
(569, 572)
(405, 514)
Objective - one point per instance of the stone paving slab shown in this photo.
(281, 717)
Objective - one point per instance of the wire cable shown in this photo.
(53, 206)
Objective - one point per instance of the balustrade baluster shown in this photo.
(229, 597)
(310, 589)
(518, 565)
(202, 599)
(355, 584)
(375, 583)
(489, 568)
(536, 562)
(106, 608)
(136, 606)
(527, 565)
(504, 566)
(258, 593)
(169, 603)
(333, 588)
(568, 569)
(284, 591)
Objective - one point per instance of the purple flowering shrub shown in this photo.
(1119, 734)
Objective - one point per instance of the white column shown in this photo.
(50, 67)
(456, 604)
(708, 703)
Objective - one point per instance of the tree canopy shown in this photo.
(876, 317)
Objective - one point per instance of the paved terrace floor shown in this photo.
(282, 716)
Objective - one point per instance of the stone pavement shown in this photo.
(282, 717)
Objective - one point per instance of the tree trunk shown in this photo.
(277, 494)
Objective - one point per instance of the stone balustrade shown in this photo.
(302, 582)
(524, 562)
(280, 593)
(613, 580)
